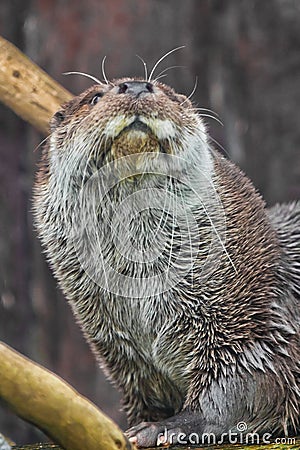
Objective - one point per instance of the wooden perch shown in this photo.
(48, 402)
(27, 89)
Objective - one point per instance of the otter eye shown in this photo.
(59, 116)
(57, 119)
(96, 98)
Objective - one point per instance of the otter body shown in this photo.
(185, 285)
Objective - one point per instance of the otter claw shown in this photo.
(144, 435)
(152, 434)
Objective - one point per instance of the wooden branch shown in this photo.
(27, 89)
(44, 399)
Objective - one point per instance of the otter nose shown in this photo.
(135, 88)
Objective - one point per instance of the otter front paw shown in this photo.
(152, 434)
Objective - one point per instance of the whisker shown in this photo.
(219, 237)
(165, 70)
(209, 111)
(41, 143)
(72, 165)
(103, 70)
(212, 117)
(218, 145)
(158, 78)
(164, 214)
(192, 93)
(172, 238)
(84, 75)
(161, 59)
(85, 202)
(145, 67)
(214, 227)
(189, 236)
(99, 245)
(108, 206)
(211, 148)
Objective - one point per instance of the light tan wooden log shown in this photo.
(48, 402)
(27, 89)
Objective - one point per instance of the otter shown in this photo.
(185, 285)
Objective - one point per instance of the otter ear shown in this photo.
(57, 119)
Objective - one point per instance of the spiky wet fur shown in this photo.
(226, 347)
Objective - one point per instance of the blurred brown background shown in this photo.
(246, 55)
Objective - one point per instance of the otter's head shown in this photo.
(125, 117)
